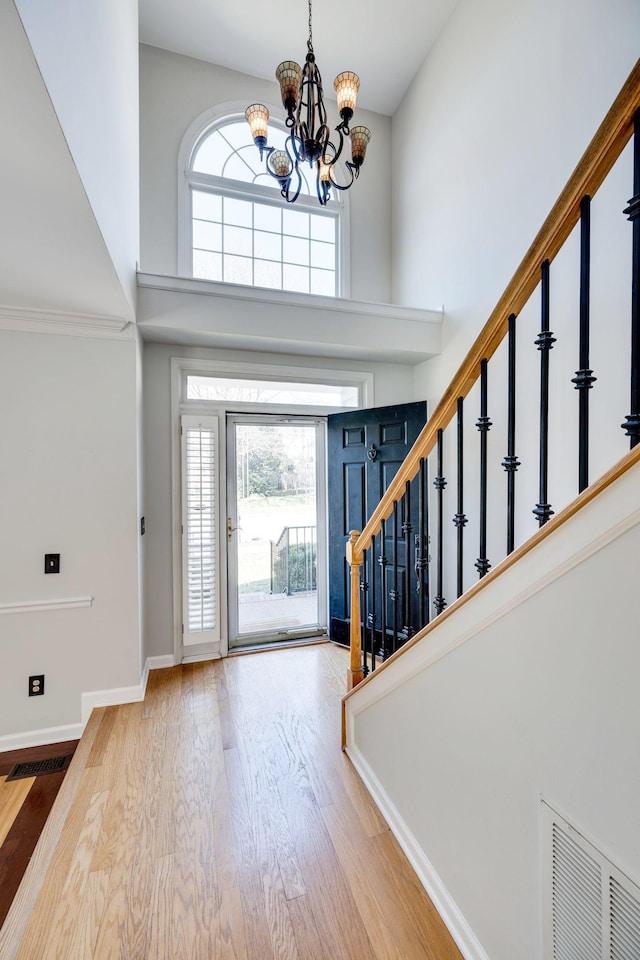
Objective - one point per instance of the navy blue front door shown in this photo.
(365, 450)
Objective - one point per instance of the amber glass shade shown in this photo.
(324, 167)
(360, 137)
(280, 164)
(289, 75)
(346, 86)
(257, 117)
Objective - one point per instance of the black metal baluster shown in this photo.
(631, 426)
(421, 546)
(459, 519)
(426, 559)
(584, 378)
(372, 612)
(483, 423)
(363, 611)
(384, 562)
(394, 595)
(440, 483)
(407, 529)
(511, 462)
(544, 343)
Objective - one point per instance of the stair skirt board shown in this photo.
(610, 514)
(94, 698)
(467, 942)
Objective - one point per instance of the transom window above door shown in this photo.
(283, 393)
(241, 231)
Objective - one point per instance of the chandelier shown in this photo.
(308, 140)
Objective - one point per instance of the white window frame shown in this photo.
(237, 640)
(180, 406)
(214, 116)
(181, 368)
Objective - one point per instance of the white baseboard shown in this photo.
(201, 657)
(467, 942)
(37, 738)
(161, 662)
(112, 697)
(94, 698)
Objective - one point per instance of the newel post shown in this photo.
(354, 559)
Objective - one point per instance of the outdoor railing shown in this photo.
(293, 561)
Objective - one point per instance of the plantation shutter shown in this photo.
(201, 621)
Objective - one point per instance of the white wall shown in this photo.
(392, 384)
(508, 99)
(67, 485)
(511, 703)
(174, 90)
(88, 56)
(485, 139)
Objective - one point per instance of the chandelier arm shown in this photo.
(267, 152)
(295, 150)
(334, 154)
(286, 189)
(353, 170)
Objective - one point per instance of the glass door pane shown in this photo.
(274, 568)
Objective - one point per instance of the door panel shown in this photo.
(365, 451)
(354, 496)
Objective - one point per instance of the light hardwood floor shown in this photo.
(219, 819)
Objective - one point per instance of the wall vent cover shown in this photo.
(591, 909)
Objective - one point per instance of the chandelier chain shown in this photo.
(310, 40)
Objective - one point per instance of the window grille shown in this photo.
(243, 232)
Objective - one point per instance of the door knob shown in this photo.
(230, 529)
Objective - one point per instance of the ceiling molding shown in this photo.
(65, 324)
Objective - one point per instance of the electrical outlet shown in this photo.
(52, 563)
(36, 685)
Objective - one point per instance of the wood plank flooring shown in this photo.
(219, 819)
(24, 807)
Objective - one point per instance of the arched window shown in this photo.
(236, 226)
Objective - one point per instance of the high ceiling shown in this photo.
(384, 42)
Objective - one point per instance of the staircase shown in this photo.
(379, 622)
(513, 705)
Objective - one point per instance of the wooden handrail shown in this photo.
(598, 159)
(627, 462)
